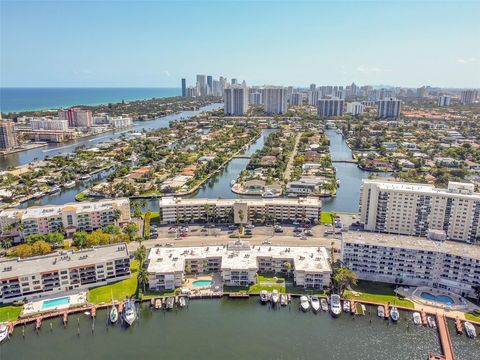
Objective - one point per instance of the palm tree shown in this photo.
(142, 277)
(116, 215)
(241, 215)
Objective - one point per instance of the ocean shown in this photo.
(26, 99)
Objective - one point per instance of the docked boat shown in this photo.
(431, 322)
(113, 314)
(469, 329)
(275, 297)
(85, 177)
(268, 194)
(335, 305)
(283, 299)
(69, 184)
(169, 302)
(157, 305)
(324, 304)
(182, 302)
(129, 312)
(315, 302)
(232, 183)
(394, 314)
(417, 318)
(3, 332)
(362, 310)
(304, 303)
(53, 190)
(380, 311)
(263, 296)
(346, 306)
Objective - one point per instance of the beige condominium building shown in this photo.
(174, 210)
(414, 261)
(69, 217)
(416, 209)
(238, 263)
(66, 271)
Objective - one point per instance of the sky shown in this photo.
(156, 43)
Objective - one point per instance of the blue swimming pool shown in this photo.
(202, 283)
(444, 299)
(55, 302)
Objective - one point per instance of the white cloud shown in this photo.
(166, 73)
(467, 60)
(371, 70)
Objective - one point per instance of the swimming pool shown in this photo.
(56, 302)
(444, 299)
(202, 283)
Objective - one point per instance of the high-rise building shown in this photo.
(422, 92)
(201, 85)
(444, 100)
(255, 98)
(76, 117)
(184, 87)
(339, 94)
(297, 99)
(234, 81)
(373, 95)
(48, 124)
(468, 96)
(355, 108)
(389, 108)
(235, 100)
(274, 100)
(191, 91)
(313, 87)
(314, 96)
(209, 85)
(8, 139)
(330, 107)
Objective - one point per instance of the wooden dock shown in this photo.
(353, 307)
(238, 295)
(423, 314)
(445, 340)
(387, 311)
(458, 326)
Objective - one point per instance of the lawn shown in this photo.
(468, 316)
(377, 292)
(83, 197)
(120, 290)
(325, 217)
(9, 312)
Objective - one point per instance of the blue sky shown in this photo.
(135, 44)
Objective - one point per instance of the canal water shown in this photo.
(229, 329)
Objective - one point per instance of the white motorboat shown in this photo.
(417, 318)
(431, 322)
(363, 310)
(283, 299)
(380, 311)
(469, 329)
(346, 306)
(315, 302)
(268, 194)
(394, 314)
(182, 302)
(170, 302)
(304, 303)
(335, 305)
(275, 297)
(3, 332)
(232, 182)
(69, 184)
(129, 312)
(85, 177)
(263, 296)
(324, 304)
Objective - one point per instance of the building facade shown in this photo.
(413, 261)
(389, 108)
(238, 263)
(8, 139)
(444, 100)
(175, 210)
(468, 96)
(355, 108)
(184, 87)
(86, 216)
(274, 100)
(49, 124)
(76, 117)
(235, 100)
(41, 276)
(415, 209)
(330, 107)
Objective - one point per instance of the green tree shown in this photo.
(112, 229)
(80, 239)
(131, 230)
(34, 238)
(146, 224)
(41, 248)
(343, 277)
(97, 237)
(142, 277)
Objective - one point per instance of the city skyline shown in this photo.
(409, 49)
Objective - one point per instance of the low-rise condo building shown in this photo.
(40, 276)
(69, 217)
(238, 263)
(175, 210)
(413, 261)
(414, 209)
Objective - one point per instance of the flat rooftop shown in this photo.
(413, 242)
(305, 258)
(16, 267)
(171, 201)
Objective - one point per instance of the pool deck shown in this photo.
(36, 307)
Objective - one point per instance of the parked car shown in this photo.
(183, 234)
(297, 230)
(168, 244)
(266, 242)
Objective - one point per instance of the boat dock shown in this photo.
(423, 314)
(386, 309)
(445, 340)
(458, 326)
(238, 295)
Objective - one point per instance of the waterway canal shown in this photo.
(228, 329)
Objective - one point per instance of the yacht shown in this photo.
(469, 329)
(4, 332)
(431, 322)
(263, 296)
(315, 301)
(113, 314)
(380, 311)
(129, 312)
(69, 184)
(417, 318)
(335, 305)
(324, 304)
(304, 304)
(346, 306)
(394, 314)
(275, 297)
(169, 303)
